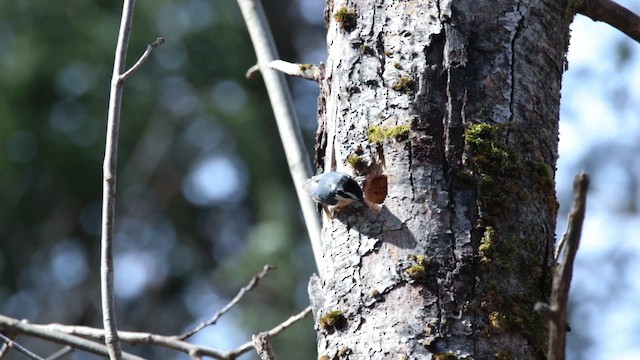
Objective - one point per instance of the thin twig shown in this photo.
(109, 184)
(290, 133)
(252, 284)
(271, 333)
(19, 348)
(613, 14)
(556, 311)
(109, 174)
(60, 353)
(145, 56)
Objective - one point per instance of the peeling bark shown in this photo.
(466, 97)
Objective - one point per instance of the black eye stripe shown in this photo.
(346, 195)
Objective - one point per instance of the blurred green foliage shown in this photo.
(204, 196)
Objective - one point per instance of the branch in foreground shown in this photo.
(305, 71)
(109, 175)
(271, 333)
(613, 14)
(60, 353)
(109, 185)
(252, 284)
(288, 127)
(44, 332)
(75, 337)
(19, 348)
(556, 311)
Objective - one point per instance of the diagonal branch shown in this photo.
(613, 14)
(252, 284)
(556, 310)
(19, 348)
(271, 333)
(288, 127)
(61, 353)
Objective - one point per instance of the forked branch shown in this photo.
(109, 175)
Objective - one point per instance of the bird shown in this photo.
(333, 191)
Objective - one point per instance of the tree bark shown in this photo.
(449, 111)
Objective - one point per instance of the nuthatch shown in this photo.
(334, 190)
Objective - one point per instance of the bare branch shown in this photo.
(109, 174)
(109, 184)
(60, 353)
(263, 346)
(75, 336)
(130, 337)
(19, 348)
(271, 333)
(305, 71)
(252, 284)
(145, 56)
(294, 148)
(44, 332)
(557, 310)
(613, 14)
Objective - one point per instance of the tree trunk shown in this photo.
(449, 111)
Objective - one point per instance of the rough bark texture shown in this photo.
(449, 111)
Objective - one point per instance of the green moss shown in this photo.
(404, 84)
(332, 320)
(500, 254)
(542, 175)
(346, 17)
(397, 65)
(416, 272)
(357, 162)
(514, 313)
(507, 181)
(449, 355)
(495, 169)
(377, 134)
(305, 67)
(522, 319)
(419, 269)
(485, 250)
(504, 179)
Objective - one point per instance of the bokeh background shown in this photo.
(204, 194)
